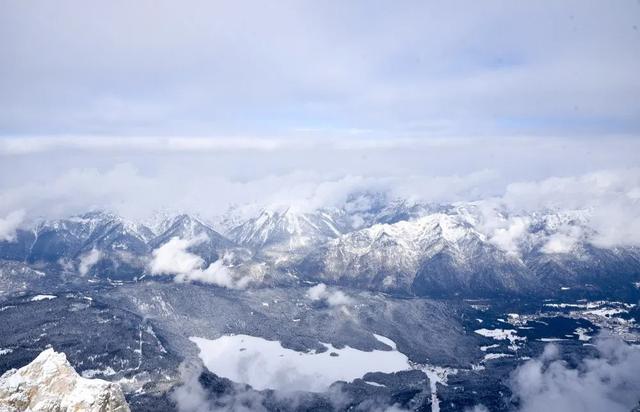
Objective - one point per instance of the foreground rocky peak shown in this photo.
(49, 383)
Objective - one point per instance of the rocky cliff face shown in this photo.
(50, 383)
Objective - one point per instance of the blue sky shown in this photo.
(308, 69)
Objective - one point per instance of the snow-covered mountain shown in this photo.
(50, 384)
(123, 298)
(435, 253)
(286, 230)
(183, 226)
(393, 246)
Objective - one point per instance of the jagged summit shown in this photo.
(379, 244)
(287, 229)
(50, 384)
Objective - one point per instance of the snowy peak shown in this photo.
(69, 238)
(49, 383)
(286, 229)
(92, 223)
(418, 234)
(188, 227)
(434, 250)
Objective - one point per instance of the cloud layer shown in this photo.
(301, 66)
(208, 184)
(608, 382)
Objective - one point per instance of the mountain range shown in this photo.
(395, 247)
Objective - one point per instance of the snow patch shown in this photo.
(492, 356)
(42, 297)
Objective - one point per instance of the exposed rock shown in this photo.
(49, 383)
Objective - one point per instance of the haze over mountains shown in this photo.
(327, 206)
(395, 246)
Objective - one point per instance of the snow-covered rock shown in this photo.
(49, 383)
(427, 254)
(287, 229)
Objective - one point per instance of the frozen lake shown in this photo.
(265, 364)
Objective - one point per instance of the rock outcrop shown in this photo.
(49, 383)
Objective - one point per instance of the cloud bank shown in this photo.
(232, 67)
(137, 177)
(608, 382)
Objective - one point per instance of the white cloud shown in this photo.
(507, 238)
(217, 273)
(29, 145)
(174, 258)
(608, 382)
(320, 292)
(130, 177)
(10, 224)
(191, 396)
(88, 260)
(317, 292)
(607, 198)
(563, 241)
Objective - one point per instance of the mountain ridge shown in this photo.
(414, 249)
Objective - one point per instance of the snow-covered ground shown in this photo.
(42, 297)
(265, 364)
(502, 334)
(437, 375)
(492, 356)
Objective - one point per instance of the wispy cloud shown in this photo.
(10, 223)
(88, 260)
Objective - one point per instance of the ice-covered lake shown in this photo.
(265, 364)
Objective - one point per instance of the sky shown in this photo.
(417, 68)
(201, 105)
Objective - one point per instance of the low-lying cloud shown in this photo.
(192, 396)
(320, 292)
(507, 235)
(608, 382)
(174, 258)
(10, 224)
(88, 260)
(136, 177)
(609, 199)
